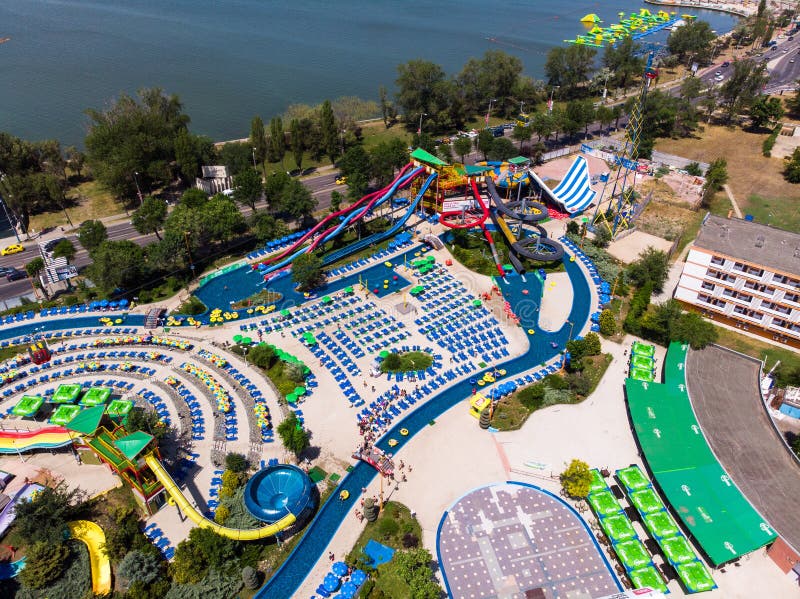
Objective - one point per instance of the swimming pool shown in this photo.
(79, 322)
(323, 527)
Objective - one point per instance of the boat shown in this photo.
(375, 458)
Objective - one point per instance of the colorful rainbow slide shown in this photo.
(190, 512)
(48, 437)
(94, 538)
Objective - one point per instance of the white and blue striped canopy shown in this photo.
(574, 192)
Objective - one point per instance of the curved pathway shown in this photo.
(330, 517)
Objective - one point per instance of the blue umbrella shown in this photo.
(339, 568)
(123, 302)
(330, 583)
(358, 577)
(348, 590)
(103, 303)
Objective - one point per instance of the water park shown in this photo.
(292, 426)
(636, 26)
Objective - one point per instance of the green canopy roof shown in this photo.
(471, 169)
(519, 160)
(427, 157)
(87, 421)
(133, 444)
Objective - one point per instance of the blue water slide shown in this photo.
(356, 213)
(378, 237)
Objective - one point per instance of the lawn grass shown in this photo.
(756, 181)
(409, 361)
(93, 201)
(757, 349)
(192, 306)
(7, 353)
(264, 297)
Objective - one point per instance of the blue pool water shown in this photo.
(243, 282)
(78, 322)
(330, 517)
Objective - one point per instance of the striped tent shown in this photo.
(574, 193)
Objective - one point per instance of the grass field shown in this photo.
(757, 182)
(757, 349)
(93, 202)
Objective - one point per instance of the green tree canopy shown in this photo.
(34, 267)
(692, 42)
(295, 438)
(692, 329)
(307, 271)
(117, 264)
(44, 565)
(625, 62)
(502, 149)
(495, 75)
(44, 518)
(576, 479)
(277, 140)
(716, 177)
(266, 227)
(791, 171)
(462, 146)
(91, 234)
(743, 86)
(569, 66)
(766, 111)
(150, 216)
(135, 136)
(329, 131)
(248, 188)
(387, 157)
(297, 201)
(64, 249)
(236, 157)
(258, 140)
(139, 566)
(651, 266)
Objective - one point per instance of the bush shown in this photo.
(138, 566)
(553, 397)
(124, 536)
(45, 517)
(221, 515)
(579, 383)
(201, 551)
(531, 397)
(639, 303)
(651, 266)
(693, 168)
(391, 362)
(236, 462)
(573, 228)
(250, 578)
(556, 381)
(295, 438)
(592, 343)
(602, 237)
(294, 372)
(692, 329)
(45, 564)
(608, 324)
(410, 540)
(576, 479)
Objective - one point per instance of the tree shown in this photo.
(294, 437)
(329, 131)
(34, 267)
(248, 188)
(135, 136)
(576, 479)
(307, 271)
(221, 219)
(91, 234)
(386, 108)
(445, 152)
(202, 550)
(495, 75)
(64, 249)
(386, 158)
(791, 171)
(423, 89)
(356, 165)
(692, 88)
(543, 125)
(274, 187)
(569, 67)
(692, 42)
(236, 462)
(692, 329)
(150, 216)
(716, 177)
(502, 149)
(191, 152)
(766, 112)
(743, 86)
(336, 201)
(258, 140)
(250, 578)
(414, 567)
(582, 113)
(277, 141)
(652, 266)
(462, 146)
(236, 157)
(521, 133)
(266, 227)
(75, 159)
(297, 201)
(484, 142)
(44, 518)
(297, 134)
(624, 61)
(45, 564)
(139, 566)
(117, 264)
(604, 116)
(608, 324)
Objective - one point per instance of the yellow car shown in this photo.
(12, 249)
(341, 180)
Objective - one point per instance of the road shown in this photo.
(784, 72)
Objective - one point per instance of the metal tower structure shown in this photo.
(619, 211)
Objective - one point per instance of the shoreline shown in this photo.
(726, 8)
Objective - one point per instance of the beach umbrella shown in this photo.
(348, 290)
(476, 302)
(291, 398)
(384, 354)
(349, 589)
(327, 299)
(246, 340)
(299, 391)
(358, 577)
(339, 568)
(330, 583)
(237, 338)
(285, 312)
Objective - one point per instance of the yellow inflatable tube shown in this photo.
(190, 512)
(94, 537)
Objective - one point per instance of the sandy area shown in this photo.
(630, 246)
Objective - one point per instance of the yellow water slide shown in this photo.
(183, 504)
(94, 537)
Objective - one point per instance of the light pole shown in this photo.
(569, 338)
(254, 158)
(489, 111)
(550, 101)
(138, 189)
(189, 250)
(244, 350)
(521, 105)
(419, 129)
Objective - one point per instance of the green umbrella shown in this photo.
(246, 340)
(327, 299)
(476, 302)
(348, 290)
(299, 391)
(384, 353)
(291, 398)
(237, 338)
(285, 312)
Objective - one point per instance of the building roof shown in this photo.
(773, 248)
(87, 421)
(427, 157)
(133, 444)
(215, 172)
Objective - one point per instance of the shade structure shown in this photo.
(119, 408)
(331, 582)
(66, 394)
(237, 338)
(327, 299)
(477, 302)
(291, 398)
(285, 312)
(96, 396)
(247, 341)
(358, 577)
(348, 289)
(339, 568)
(27, 406)
(133, 444)
(299, 391)
(87, 421)
(349, 590)
(384, 354)
(64, 414)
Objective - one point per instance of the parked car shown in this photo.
(341, 180)
(14, 248)
(726, 64)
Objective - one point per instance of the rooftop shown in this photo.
(767, 246)
(215, 172)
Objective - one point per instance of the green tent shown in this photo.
(477, 303)
(519, 160)
(119, 408)
(299, 391)
(384, 354)
(87, 421)
(285, 313)
(237, 338)
(348, 290)
(133, 444)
